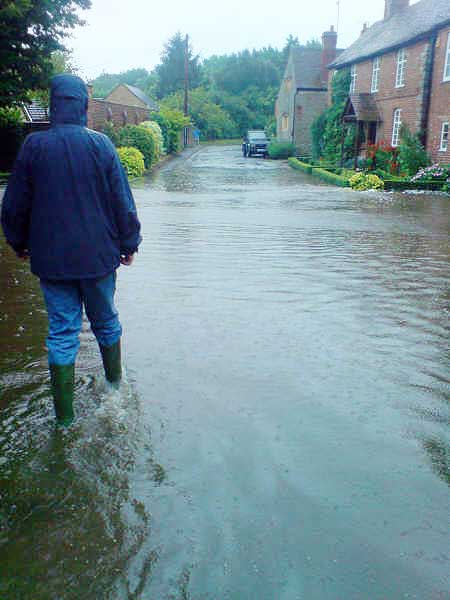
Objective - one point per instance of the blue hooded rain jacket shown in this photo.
(68, 202)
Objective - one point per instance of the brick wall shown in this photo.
(440, 101)
(411, 97)
(408, 98)
(100, 111)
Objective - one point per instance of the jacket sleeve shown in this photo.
(16, 205)
(124, 208)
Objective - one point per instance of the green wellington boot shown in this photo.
(63, 380)
(112, 363)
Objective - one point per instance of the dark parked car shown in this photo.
(255, 143)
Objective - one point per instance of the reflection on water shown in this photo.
(284, 430)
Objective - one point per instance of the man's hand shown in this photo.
(127, 260)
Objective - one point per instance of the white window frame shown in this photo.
(444, 137)
(400, 75)
(396, 125)
(447, 61)
(353, 79)
(376, 66)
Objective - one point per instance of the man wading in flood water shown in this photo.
(69, 208)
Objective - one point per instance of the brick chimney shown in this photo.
(392, 7)
(329, 43)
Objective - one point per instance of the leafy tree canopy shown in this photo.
(31, 30)
(171, 70)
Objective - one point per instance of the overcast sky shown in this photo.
(121, 35)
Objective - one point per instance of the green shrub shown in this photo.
(141, 138)
(158, 138)
(132, 160)
(299, 165)
(113, 133)
(412, 156)
(10, 117)
(329, 177)
(172, 123)
(279, 150)
(366, 181)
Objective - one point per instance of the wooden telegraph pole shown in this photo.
(186, 76)
(186, 89)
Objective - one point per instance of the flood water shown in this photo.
(283, 430)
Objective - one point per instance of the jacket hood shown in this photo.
(68, 100)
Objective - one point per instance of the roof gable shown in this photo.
(414, 22)
(307, 64)
(142, 96)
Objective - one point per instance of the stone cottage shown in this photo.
(400, 74)
(125, 105)
(303, 93)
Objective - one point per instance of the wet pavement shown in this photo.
(283, 430)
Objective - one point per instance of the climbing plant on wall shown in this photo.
(328, 130)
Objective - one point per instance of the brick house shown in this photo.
(125, 105)
(400, 74)
(303, 93)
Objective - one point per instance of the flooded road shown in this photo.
(283, 431)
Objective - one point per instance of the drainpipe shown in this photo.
(427, 89)
(293, 120)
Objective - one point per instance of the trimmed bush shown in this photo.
(364, 181)
(332, 178)
(431, 186)
(279, 150)
(132, 160)
(141, 138)
(300, 166)
(158, 138)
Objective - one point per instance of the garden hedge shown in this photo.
(299, 165)
(332, 178)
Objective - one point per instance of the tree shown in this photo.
(291, 42)
(171, 70)
(209, 117)
(31, 30)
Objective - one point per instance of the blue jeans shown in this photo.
(64, 301)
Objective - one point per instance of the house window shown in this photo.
(353, 78)
(375, 74)
(397, 123)
(284, 122)
(444, 137)
(447, 61)
(401, 68)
